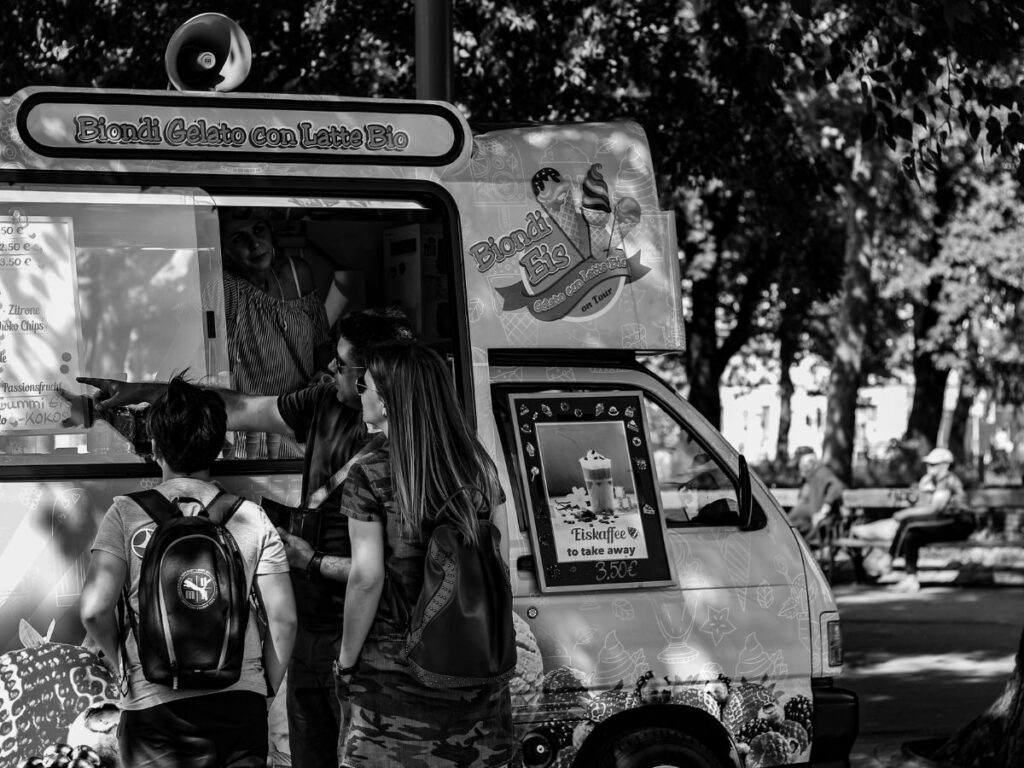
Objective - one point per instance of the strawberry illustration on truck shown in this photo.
(44, 687)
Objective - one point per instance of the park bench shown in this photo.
(997, 546)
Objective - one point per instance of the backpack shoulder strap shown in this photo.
(156, 505)
(223, 507)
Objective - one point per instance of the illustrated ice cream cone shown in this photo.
(636, 179)
(597, 209)
(597, 475)
(627, 216)
(555, 196)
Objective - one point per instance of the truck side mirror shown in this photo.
(751, 517)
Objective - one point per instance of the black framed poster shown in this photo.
(595, 509)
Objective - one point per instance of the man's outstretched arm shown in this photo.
(250, 413)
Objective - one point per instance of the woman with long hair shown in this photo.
(392, 497)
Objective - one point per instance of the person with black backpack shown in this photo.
(326, 419)
(189, 590)
(428, 644)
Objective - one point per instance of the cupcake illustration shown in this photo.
(614, 662)
(754, 661)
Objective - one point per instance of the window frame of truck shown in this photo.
(226, 188)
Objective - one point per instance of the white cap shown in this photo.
(939, 456)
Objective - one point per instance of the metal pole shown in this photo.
(434, 50)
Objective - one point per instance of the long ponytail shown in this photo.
(434, 451)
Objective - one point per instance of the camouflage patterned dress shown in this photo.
(395, 720)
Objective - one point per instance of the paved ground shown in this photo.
(925, 664)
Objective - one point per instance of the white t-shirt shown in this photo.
(126, 530)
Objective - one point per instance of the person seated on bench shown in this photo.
(819, 498)
(942, 515)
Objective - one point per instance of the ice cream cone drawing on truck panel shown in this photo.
(597, 209)
(571, 236)
(572, 256)
(555, 196)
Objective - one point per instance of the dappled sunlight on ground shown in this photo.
(855, 594)
(968, 667)
(925, 664)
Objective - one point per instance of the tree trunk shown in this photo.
(929, 380)
(705, 395)
(787, 358)
(851, 328)
(961, 420)
(702, 350)
(995, 739)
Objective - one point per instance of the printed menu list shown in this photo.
(39, 324)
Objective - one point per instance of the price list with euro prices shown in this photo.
(40, 338)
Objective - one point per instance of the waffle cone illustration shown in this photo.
(555, 196)
(627, 216)
(597, 210)
(636, 179)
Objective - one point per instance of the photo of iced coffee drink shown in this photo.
(597, 477)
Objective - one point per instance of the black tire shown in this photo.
(655, 747)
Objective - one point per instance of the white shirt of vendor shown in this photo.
(124, 533)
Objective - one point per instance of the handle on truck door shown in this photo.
(525, 563)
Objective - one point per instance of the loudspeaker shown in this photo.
(209, 52)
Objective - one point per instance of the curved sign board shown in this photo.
(148, 126)
(567, 247)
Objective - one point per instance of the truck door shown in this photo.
(714, 604)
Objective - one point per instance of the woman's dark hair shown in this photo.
(188, 425)
(433, 449)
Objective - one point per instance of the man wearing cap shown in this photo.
(942, 516)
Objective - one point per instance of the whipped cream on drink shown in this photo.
(597, 476)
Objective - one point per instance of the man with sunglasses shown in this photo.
(327, 419)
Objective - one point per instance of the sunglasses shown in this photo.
(361, 386)
(340, 365)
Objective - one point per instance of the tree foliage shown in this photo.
(845, 173)
(925, 69)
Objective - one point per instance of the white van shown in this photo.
(668, 614)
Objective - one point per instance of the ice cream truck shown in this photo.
(667, 614)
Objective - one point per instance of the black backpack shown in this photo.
(460, 632)
(193, 601)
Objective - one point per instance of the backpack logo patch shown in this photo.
(140, 540)
(197, 588)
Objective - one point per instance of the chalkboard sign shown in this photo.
(40, 334)
(595, 509)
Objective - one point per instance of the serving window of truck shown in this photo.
(141, 281)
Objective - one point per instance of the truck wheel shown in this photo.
(656, 748)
